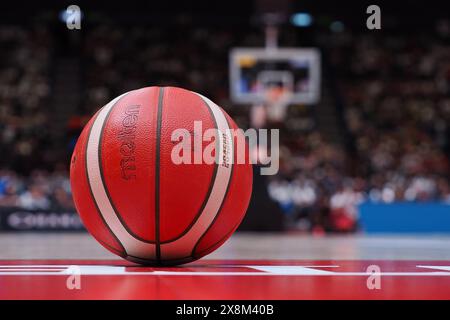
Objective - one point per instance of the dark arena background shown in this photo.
(360, 205)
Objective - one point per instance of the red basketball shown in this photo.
(139, 203)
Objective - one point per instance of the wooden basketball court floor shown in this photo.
(248, 266)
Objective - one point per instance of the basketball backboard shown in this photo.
(254, 70)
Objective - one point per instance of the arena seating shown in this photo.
(394, 91)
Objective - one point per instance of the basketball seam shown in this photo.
(221, 240)
(165, 262)
(200, 254)
(122, 254)
(224, 197)
(208, 194)
(157, 181)
(116, 211)
(224, 238)
(157, 173)
(192, 256)
(92, 194)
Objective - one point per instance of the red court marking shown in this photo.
(213, 279)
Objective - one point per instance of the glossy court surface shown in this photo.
(249, 266)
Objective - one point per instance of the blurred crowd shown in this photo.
(395, 91)
(41, 190)
(195, 58)
(25, 63)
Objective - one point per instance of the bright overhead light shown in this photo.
(301, 19)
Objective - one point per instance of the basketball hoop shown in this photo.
(276, 100)
(276, 95)
(253, 70)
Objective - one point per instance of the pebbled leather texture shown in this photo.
(128, 153)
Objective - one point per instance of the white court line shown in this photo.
(263, 271)
(444, 268)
